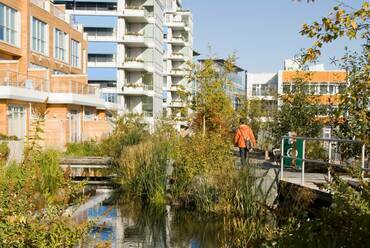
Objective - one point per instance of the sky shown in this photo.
(262, 32)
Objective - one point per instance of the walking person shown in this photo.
(245, 140)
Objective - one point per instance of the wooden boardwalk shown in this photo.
(93, 169)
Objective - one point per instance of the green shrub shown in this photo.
(4, 152)
(142, 168)
(129, 130)
(85, 149)
(6, 137)
(33, 198)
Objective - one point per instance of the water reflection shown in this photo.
(123, 223)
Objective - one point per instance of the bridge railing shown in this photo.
(329, 161)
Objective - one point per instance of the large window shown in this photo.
(260, 90)
(75, 54)
(8, 25)
(39, 36)
(95, 33)
(101, 58)
(91, 5)
(60, 45)
(110, 97)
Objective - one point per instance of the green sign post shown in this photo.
(293, 152)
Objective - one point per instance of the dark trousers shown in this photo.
(243, 152)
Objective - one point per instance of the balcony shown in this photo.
(63, 89)
(177, 57)
(134, 64)
(134, 39)
(42, 4)
(177, 104)
(51, 8)
(176, 87)
(178, 72)
(178, 40)
(134, 13)
(137, 89)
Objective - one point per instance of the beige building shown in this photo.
(43, 59)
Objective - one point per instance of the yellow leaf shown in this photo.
(354, 24)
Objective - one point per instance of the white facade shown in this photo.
(261, 86)
(179, 51)
(126, 38)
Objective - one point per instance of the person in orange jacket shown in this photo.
(245, 140)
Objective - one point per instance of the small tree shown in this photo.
(298, 113)
(213, 108)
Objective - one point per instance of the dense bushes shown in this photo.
(33, 198)
(87, 148)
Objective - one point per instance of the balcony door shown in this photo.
(17, 121)
(74, 126)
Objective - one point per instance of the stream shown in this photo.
(120, 222)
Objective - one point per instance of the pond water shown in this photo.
(123, 223)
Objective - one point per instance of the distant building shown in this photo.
(326, 85)
(137, 51)
(44, 59)
(179, 51)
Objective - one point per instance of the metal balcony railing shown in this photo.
(56, 85)
(40, 3)
(59, 13)
(18, 80)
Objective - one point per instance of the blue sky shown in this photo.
(262, 32)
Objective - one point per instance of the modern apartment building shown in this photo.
(325, 85)
(43, 60)
(178, 33)
(127, 49)
(235, 90)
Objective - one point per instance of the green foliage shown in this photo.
(142, 168)
(202, 165)
(342, 22)
(4, 152)
(34, 195)
(298, 113)
(213, 108)
(352, 119)
(85, 149)
(129, 130)
(346, 223)
(33, 200)
(6, 137)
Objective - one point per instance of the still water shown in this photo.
(122, 223)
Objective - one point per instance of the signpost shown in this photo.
(293, 150)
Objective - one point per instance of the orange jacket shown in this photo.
(244, 131)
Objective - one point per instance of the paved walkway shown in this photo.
(311, 180)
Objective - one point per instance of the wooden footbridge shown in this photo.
(95, 170)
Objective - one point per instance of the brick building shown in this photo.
(43, 60)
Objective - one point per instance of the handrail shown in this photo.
(322, 139)
(56, 85)
(328, 162)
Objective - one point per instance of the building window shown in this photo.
(110, 97)
(101, 58)
(92, 5)
(8, 25)
(89, 114)
(60, 45)
(75, 54)
(147, 106)
(95, 33)
(39, 36)
(56, 72)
